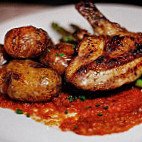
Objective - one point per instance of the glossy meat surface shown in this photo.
(106, 61)
(104, 64)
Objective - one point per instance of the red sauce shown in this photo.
(113, 113)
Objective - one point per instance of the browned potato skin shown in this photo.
(26, 42)
(3, 80)
(4, 57)
(53, 59)
(31, 82)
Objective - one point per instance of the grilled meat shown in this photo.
(100, 24)
(106, 61)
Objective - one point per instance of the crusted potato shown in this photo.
(3, 80)
(29, 81)
(26, 42)
(4, 57)
(58, 57)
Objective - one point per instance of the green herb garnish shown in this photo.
(66, 112)
(73, 46)
(82, 98)
(106, 107)
(70, 98)
(43, 76)
(75, 98)
(48, 50)
(61, 54)
(38, 31)
(19, 111)
(97, 105)
(75, 127)
(100, 114)
(28, 115)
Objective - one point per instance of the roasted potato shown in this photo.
(3, 80)
(29, 81)
(4, 57)
(26, 42)
(58, 57)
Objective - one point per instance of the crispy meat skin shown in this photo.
(104, 67)
(106, 61)
(100, 24)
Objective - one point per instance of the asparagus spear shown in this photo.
(60, 30)
(75, 27)
(66, 35)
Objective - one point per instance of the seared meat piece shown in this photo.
(58, 57)
(80, 34)
(101, 25)
(106, 62)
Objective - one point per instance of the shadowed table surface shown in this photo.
(9, 11)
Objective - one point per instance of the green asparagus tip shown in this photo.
(139, 83)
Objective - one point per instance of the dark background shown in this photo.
(63, 2)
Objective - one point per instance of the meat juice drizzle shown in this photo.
(100, 113)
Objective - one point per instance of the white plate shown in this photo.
(15, 128)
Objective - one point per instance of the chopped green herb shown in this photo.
(70, 98)
(43, 76)
(82, 98)
(100, 114)
(75, 98)
(19, 111)
(66, 112)
(28, 115)
(97, 105)
(48, 50)
(61, 54)
(75, 127)
(38, 31)
(73, 46)
(106, 107)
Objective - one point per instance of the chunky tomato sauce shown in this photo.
(106, 113)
